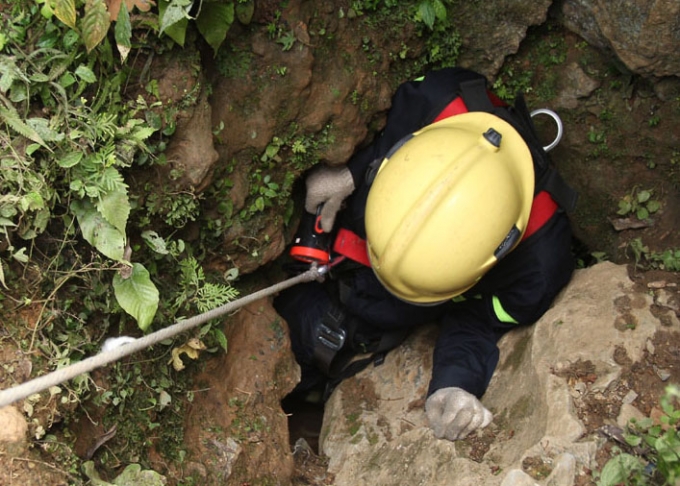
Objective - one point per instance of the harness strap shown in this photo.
(458, 106)
(563, 194)
(352, 246)
(542, 209)
(329, 338)
(475, 94)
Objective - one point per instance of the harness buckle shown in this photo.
(333, 339)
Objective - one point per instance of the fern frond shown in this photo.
(112, 180)
(211, 295)
(106, 125)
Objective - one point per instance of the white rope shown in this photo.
(126, 347)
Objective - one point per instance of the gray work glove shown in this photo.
(328, 186)
(453, 413)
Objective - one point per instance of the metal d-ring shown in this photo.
(558, 122)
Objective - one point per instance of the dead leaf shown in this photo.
(142, 5)
(114, 6)
(191, 348)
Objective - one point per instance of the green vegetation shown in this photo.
(94, 18)
(668, 259)
(88, 245)
(546, 48)
(638, 203)
(431, 20)
(64, 166)
(653, 453)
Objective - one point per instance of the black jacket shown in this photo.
(523, 284)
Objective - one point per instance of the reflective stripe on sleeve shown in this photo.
(501, 313)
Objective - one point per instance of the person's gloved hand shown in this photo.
(453, 413)
(328, 186)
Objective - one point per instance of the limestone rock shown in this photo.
(235, 430)
(13, 426)
(375, 430)
(643, 34)
(492, 30)
(191, 151)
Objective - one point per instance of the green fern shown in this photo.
(211, 295)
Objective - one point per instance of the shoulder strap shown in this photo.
(475, 96)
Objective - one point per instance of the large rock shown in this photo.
(490, 31)
(643, 34)
(375, 429)
(235, 430)
(191, 151)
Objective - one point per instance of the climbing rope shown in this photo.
(131, 346)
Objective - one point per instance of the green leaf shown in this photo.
(6, 222)
(221, 338)
(643, 196)
(97, 231)
(95, 23)
(427, 13)
(43, 128)
(653, 206)
(214, 21)
(245, 10)
(11, 117)
(114, 206)
(155, 242)
(440, 10)
(642, 214)
(174, 15)
(625, 207)
(141, 134)
(259, 203)
(86, 74)
(618, 469)
(20, 255)
(70, 160)
(32, 202)
(65, 10)
(633, 440)
(66, 80)
(137, 295)
(123, 32)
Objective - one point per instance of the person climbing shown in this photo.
(453, 215)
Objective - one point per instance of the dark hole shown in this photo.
(305, 417)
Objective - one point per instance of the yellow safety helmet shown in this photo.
(447, 203)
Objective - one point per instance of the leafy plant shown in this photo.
(430, 11)
(658, 444)
(511, 81)
(195, 292)
(638, 203)
(92, 19)
(668, 259)
(70, 155)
